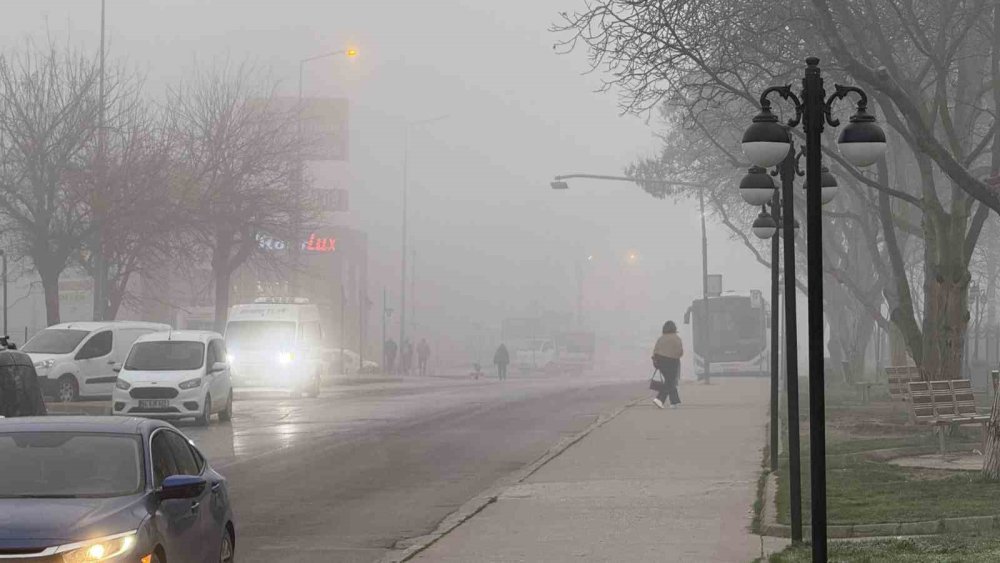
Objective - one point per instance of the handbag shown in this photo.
(657, 384)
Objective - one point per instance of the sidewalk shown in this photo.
(649, 485)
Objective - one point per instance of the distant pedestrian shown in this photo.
(423, 354)
(667, 355)
(390, 356)
(406, 359)
(501, 359)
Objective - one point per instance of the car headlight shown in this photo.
(45, 364)
(122, 384)
(191, 383)
(230, 358)
(285, 358)
(100, 549)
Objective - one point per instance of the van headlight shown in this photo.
(100, 549)
(45, 364)
(191, 383)
(122, 384)
(285, 358)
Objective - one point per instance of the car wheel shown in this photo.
(227, 554)
(227, 414)
(206, 412)
(68, 390)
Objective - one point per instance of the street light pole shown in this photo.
(295, 245)
(813, 100)
(787, 171)
(862, 143)
(100, 263)
(775, 334)
(402, 267)
(706, 332)
(3, 256)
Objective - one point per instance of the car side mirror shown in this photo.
(219, 366)
(182, 487)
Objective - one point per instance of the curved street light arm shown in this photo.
(840, 92)
(627, 179)
(786, 93)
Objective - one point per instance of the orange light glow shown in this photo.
(352, 52)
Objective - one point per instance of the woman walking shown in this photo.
(667, 359)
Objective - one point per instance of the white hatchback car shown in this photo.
(176, 374)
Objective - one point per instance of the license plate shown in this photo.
(153, 403)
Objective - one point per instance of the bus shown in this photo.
(735, 337)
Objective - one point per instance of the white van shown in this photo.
(277, 342)
(176, 374)
(78, 359)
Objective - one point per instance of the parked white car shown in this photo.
(76, 360)
(176, 374)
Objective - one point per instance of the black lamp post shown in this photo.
(757, 187)
(766, 143)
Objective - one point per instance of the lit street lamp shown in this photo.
(767, 143)
(295, 244)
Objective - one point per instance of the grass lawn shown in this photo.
(867, 492)
(860, 491)
(937, 549)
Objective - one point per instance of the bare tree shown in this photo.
(144, 219)
(238, 160)
(932, 69)
(48, 121)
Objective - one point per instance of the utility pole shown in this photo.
(706, 331)
(402, 269)
(99, 262)
(385, 316)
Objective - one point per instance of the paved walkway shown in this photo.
(650, 485)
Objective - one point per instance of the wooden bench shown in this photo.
(898, 378)
(944, 405)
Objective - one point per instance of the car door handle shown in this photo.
(216, 487)
(195, 505)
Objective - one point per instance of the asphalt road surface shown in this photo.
(374, 462)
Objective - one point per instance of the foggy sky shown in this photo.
(492, 240)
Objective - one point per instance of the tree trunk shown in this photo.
(898, 354)
(945, 321)
(50, 285)
(991, 457)
(222, 276)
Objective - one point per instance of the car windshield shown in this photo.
(166, 355)
(55, 341)
(260, 334)
(67, 465)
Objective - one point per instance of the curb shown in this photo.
(964, 524)
(91, 408)
(408, 548)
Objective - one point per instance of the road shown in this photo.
(373, 462)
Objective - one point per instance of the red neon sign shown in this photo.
(321, 244)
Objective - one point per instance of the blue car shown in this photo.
(79, 489)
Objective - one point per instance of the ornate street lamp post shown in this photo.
(766, 143)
